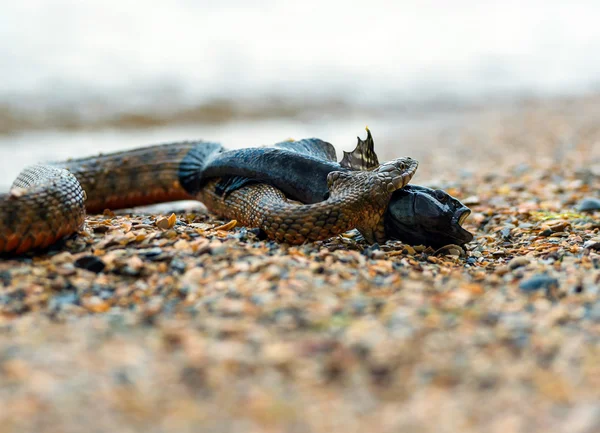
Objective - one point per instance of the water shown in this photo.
(368, 52)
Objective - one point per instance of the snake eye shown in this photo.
(441, 196)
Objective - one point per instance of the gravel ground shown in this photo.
(187, 323)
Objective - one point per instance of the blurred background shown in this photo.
(78, 77)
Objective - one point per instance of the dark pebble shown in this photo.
(589, 204)
(151, 252)
(538, 282)
(5, 278)
(592, 245)
(546, 233)
(90, 263)
(177, 266)
(505, 232)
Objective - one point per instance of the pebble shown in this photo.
(90, 263)
(166, 222)
(228, 226)
(589, 204)
(538, 282)
(559, 226)
(518, 262)
(471, 201)
(151, 253)
(592, 244)
(451, 250)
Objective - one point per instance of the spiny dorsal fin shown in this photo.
(311, 147)
(363, 157)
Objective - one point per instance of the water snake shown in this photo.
(48, 202)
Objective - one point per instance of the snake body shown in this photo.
(49, 202)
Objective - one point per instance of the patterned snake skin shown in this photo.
(48, 202)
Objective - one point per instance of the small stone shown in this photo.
(5, 278)
(95, 304)
(90, 263)
(471, 201)
(230, 225)
(64, 257)
(162, 223)
(502, 270)
(200, 246)
(151, 253)
(538, 282)
(589, 204)
(559, 226)
(101, 228)
(378, 255)
(407, 249)
(181, 245)
(450, 250)
(592, 244)
(166, 223)
(505, 232)
(135, 262)
(177, 266)
(518, 262)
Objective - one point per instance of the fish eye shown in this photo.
(441, 195)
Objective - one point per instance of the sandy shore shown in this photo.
(145, 323)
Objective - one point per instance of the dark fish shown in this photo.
(416, 214)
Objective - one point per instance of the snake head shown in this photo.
(393, 174)
(397, 173)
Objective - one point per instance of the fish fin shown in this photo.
(191, 168)
(228, 184)
(310, 146)
(363, 157)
